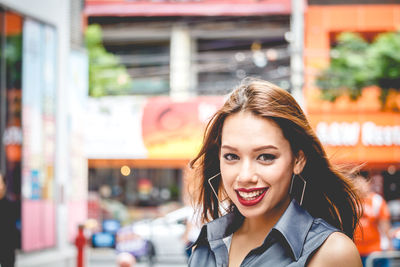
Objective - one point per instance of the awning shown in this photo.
(188, 8)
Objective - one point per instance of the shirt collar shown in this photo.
(220, 228)
(224, 226)
(294, 225)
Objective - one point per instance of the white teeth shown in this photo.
(251, 195)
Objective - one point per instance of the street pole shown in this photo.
(296, 50)
(180, 63)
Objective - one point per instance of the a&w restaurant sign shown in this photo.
(350, 134)
(372, 138)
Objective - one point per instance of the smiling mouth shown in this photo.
(250, 197)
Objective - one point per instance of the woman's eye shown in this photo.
(230, 156)
(266, 157)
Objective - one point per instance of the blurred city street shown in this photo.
(103, 105)
(108, 258)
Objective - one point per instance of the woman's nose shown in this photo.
(247, 173)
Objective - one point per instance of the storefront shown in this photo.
(354, 132)
(27, 130)
(367, 140)
(42, 86)
(139, 148)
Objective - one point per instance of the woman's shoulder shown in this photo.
(317, 234)
(337, 250)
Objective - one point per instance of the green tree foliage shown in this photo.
(346, 73)
(356, 63)
(107, 76)
(384, 61)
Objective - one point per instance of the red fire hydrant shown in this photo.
(80, 243)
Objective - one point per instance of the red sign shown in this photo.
(175, 129)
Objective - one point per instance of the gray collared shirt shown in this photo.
(290, 242)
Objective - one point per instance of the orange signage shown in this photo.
(371, 138)
(351, 131)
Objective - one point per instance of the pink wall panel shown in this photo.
(49, 224)
(38, 225)
(77, 214)
(30, 225)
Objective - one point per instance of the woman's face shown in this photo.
(256, 164)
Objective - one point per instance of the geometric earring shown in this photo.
(300, 183)
(212, 187)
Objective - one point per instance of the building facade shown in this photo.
(362, 132)
(182, 58)
(183, 50)
(43, 89)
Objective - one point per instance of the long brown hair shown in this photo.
(329, 193)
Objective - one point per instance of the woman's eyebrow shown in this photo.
(256, 149)
(265, 147)
(229, 147)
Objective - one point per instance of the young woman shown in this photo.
(286, 204)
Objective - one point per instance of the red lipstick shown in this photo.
(251, 201)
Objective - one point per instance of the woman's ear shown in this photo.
(300, 162)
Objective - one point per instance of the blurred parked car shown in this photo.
(159, 238)
(396, 239)
(106, 237)
(130, 242)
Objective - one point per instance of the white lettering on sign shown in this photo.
(348, 134)
(374, 135)
(338, 134)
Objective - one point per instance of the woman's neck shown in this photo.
(264, 223)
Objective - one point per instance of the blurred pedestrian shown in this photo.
(289, 206)
(191, 233)
(125, 259)
(8, 230)
(374, 224)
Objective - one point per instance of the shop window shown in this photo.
(391, 189)
(38, 121)
(391, 185)
(27, 116)
(142, 45)
(230, 49)
(221, 63)
(11, 92)
(140, 189)
(225, 50)
(12, 135)
(147, 63)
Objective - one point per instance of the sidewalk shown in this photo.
(101, 257)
